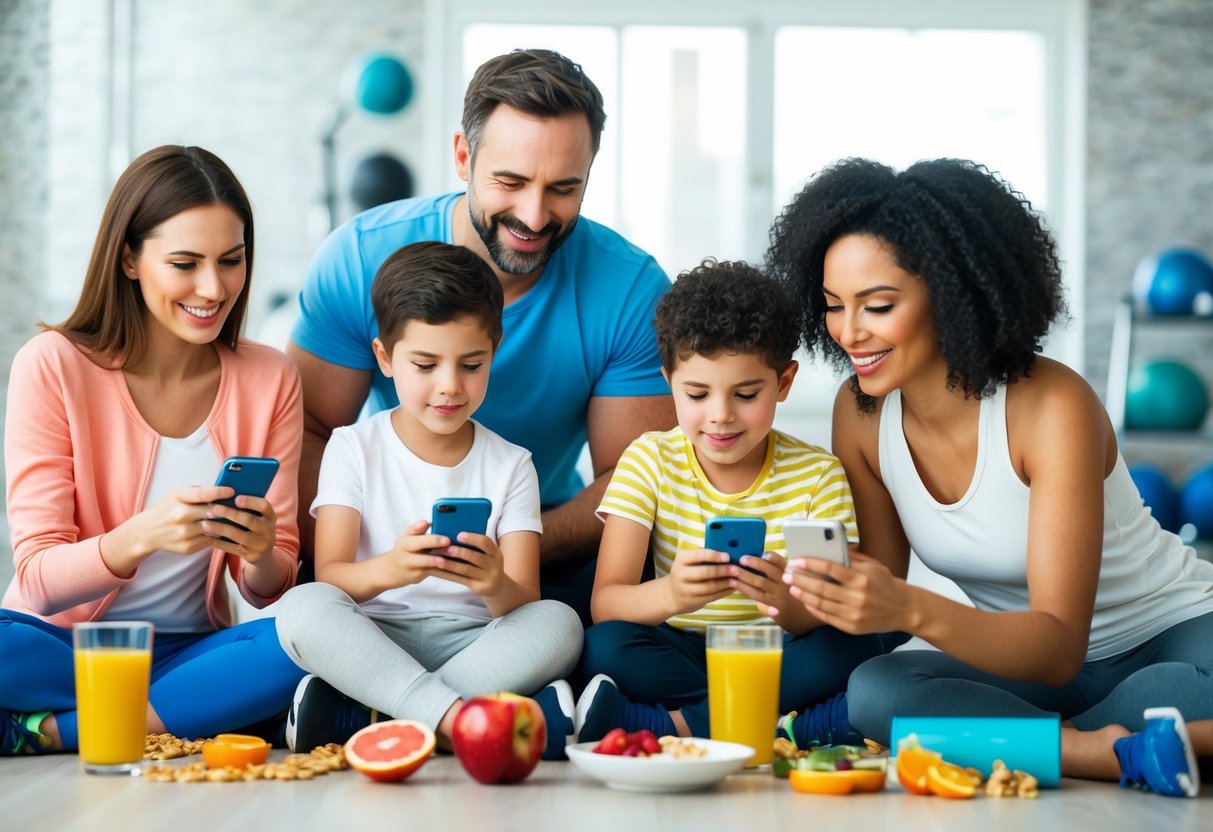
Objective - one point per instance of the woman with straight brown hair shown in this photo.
(114, 418)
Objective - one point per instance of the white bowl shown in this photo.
(662, 773)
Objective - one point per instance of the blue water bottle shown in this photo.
(1031, 744)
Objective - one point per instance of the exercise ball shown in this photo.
(1177, 281)
(378, 179)
(1158, 494)
(1196, 502)
(1164, 395)
(381, 84)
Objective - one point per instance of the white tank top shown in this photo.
(1148, 580)
(170, 589)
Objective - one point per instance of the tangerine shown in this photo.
(390, 751)
(948, 780)
(810, 781)
(912, 765)
(237, 750)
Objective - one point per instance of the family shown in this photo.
(471, 345)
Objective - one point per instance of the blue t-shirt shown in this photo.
(584, 329)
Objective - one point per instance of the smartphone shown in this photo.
(250, 476)
(737, 536)
(452, 515)
(825, 539)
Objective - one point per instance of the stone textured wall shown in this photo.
(1149, 178)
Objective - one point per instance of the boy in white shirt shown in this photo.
(410, 623)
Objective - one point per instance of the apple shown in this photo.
(499, 737)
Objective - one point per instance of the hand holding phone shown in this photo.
(823, 539)
(453, 515)
(736, 536)
(250, 476)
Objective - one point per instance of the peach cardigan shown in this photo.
(78, 457)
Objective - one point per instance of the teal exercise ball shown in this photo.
(381, 84)
(1196, 502)
(1165, 395)
(1177, 281)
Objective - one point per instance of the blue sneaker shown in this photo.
(556, 702)
(1159, 757)
(822, 724)
(19, 733)
(321, 714)
(602, 707)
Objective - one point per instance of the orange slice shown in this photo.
(913, 763)
(836, 782)
(238, 750)
(948, 780)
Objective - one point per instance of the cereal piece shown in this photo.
(1028, 786)
(975, 776)
(680, 749)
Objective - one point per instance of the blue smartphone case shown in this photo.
(737, 536)
(452, 515)
(250, 476)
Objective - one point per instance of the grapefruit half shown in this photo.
(390, 751)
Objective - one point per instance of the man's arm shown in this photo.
(571, 531)
(332, 396)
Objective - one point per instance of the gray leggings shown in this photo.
(1173, 668)
(416, 667)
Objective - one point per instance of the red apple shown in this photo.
(499, 737)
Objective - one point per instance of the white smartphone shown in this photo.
(825, 539)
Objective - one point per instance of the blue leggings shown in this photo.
(202, 683)
(1173, 668)
(667, 666)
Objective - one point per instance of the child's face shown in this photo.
(441, 373)
(726, 405)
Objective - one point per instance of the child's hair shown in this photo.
(987, 259)
(110, 316)
(726, 307)
(436, 283)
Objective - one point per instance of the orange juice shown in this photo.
(111, 700)
(743, 698)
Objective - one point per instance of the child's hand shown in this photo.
(480, 571)
(767, 586)
(410, 561)
(698, 577)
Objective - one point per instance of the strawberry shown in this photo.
(614, 743)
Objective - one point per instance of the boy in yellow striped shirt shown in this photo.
(727, 335)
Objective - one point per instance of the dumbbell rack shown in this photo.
(1189, 337)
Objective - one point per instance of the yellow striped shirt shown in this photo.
(659, 484)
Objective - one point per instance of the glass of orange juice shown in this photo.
(743, 685)
(113, 669)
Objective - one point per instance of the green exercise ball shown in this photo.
(1165, 395)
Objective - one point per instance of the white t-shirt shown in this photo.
(367, 468)
(169, 590)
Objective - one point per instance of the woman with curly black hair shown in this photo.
(935, 287)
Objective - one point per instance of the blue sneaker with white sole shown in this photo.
(1159, 757)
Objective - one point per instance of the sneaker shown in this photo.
(1159, 757)
(556, 702)
(19, 733)
(321, 714)
(602, 707)
(822, 724)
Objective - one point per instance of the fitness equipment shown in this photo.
(1176, 281)
(377, 83)
(378, 179)
(1164, 394)
(1158, 494)
(1196, 502)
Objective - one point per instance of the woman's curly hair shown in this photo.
(730, 307)
(989, 263)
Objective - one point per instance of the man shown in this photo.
(578, 360)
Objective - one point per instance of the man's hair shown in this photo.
(538, 82)
(988, 261)
(726, 307)
(435, 283)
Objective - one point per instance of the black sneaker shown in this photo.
(19, 735)
(321, 714)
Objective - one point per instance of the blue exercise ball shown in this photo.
(1164, 395)
(378, 179)
(1158, 494)
(1177, 281)
(1196, 502)
(382, 84)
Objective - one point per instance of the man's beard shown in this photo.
(508, 260)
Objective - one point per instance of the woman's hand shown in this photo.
(698, 577)
(176, 523)
(866, 598)
(251, 543)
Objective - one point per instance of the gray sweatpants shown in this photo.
(416, 667)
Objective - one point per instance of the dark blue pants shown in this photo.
(666, 666)
(202, 683)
